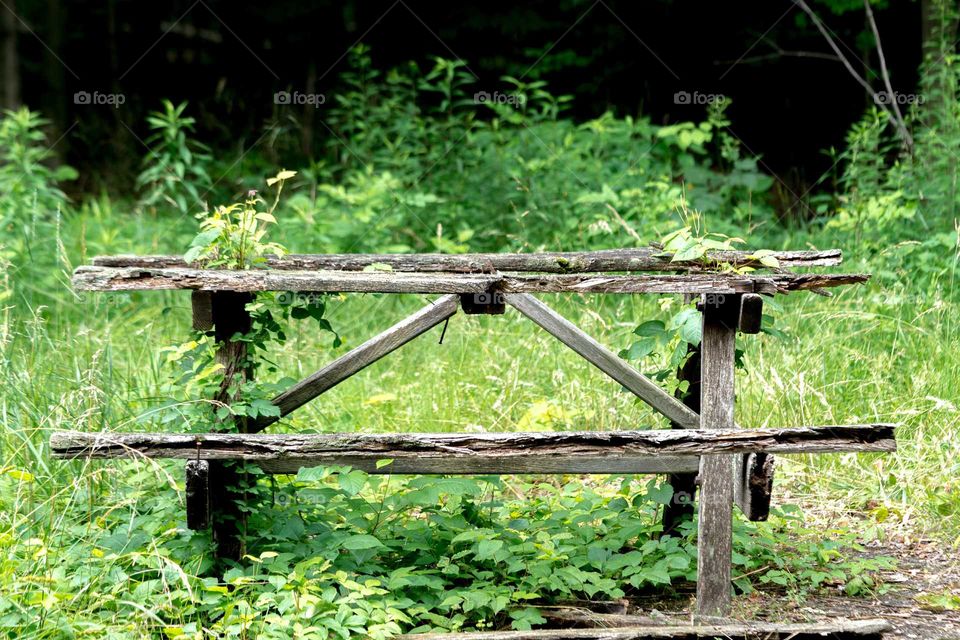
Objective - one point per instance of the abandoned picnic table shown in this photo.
(705, 450)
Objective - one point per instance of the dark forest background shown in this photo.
(791, 98)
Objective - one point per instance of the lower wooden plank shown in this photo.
(836, 629)
(554, 452)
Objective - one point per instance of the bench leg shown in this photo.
(225, 313)
(715, 527)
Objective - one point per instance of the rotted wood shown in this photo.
(840, 629)
(483, 303)
(751, 313)
(753, 485)
(198, 494)
(646, 259)
(508, 452)
(93, 278)
(360, 357)
(715, 525)
(602, 358)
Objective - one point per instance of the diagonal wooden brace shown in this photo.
(604, 359)
(360, 357)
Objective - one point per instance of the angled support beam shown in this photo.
(604, 359)
(360, 357)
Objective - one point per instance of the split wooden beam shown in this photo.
(839, 629)
(93, 278)
(611, 260)
(509, 452)
(602, 358)
(361, 357)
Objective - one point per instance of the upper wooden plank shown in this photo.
(98, 278)
(611, 260)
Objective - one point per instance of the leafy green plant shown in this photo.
(176, 168)
(667, 345)
(28, 182)
(232, 236)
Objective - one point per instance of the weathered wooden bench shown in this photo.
(705, 449)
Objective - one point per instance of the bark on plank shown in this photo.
(835, 629)
(378, 446)
(92, 278)
(715, 526)
(646, 259)
(604, 359)
(361, 357)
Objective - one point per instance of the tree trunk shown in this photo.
(10, 62)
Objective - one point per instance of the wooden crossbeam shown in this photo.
(604, 359)
(93, 278)
(647, 259)
(537, 452)
(361, 357)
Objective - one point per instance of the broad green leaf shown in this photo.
(361, 541)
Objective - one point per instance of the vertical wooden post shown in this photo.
(715, 527)
(225, 312)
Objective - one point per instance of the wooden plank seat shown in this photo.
(704, 451)
(465, 453)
